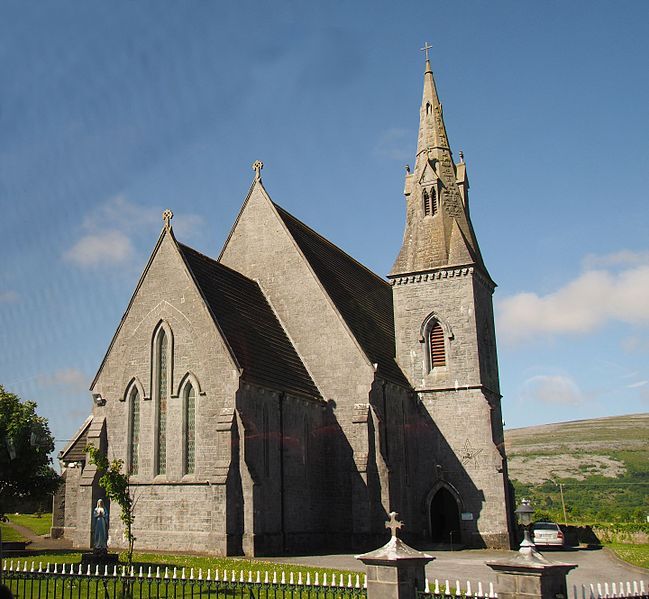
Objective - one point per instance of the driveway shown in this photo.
(594, 565)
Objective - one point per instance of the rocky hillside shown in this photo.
(603, 465)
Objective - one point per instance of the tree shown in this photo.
(118, 489)
(25, 445)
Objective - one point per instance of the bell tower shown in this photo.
(445, 335)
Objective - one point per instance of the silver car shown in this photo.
(547, 533)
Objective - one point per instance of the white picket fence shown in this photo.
(350, 582)
(470, 590)
(604, 590)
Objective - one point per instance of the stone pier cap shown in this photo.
(529, 560)
(395, 550)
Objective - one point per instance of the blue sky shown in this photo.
(111, 112)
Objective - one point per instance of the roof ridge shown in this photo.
(184, 246)
(330, 243)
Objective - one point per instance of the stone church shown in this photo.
(282, 398)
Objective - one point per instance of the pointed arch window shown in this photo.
(134, 431)
(430, 202)
(162, 355)
(436, 346)
(189, 419)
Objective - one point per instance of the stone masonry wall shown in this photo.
(195, 508)
(463, 410)
(261, 248)
(283, 446)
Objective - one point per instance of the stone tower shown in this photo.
(445, 340)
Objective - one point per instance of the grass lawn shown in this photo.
(9, 534)
(638, 554)
(40, 525)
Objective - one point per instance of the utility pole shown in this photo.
(563, 505)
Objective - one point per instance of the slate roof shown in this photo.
(74, 451)
(249, 325)
(363, 299)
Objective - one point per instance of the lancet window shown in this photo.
(134, 431)
(436, 346)
(190, 429)
(162, 395)
(430, 202)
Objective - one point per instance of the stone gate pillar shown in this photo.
(529, 575)
(396, 570)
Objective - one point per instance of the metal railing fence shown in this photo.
(72, 581)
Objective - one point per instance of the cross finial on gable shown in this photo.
(425, 49)
(393, 524)
(167, 215)
(257, 165)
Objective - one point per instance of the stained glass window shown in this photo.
(162, 403)
(134, 432)
(190, 430)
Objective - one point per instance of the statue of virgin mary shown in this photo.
(100, 525)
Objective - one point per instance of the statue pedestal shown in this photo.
(101, 558)
(395, 571)
(530, 576)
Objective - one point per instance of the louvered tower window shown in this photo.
(430, 202)
(134, 432)
(190, 430)
(437, 347)
(161, 444)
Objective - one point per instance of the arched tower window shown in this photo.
(190, 429)
(162, 355)
(134, 431)
(436, 346)
(430, 202)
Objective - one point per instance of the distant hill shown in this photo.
(602, 464)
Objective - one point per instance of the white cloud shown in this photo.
(9, 296)
(110, 227)
(71, 378)
(121, 214)
(100, 249)
(552, 389)
(638, 384)
(395, 144)
(582, 305)
(621, 258)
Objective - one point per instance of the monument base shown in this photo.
(99, 557)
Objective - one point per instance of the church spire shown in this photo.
(432, 132)
(438, 231)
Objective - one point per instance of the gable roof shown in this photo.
(75, 450)
(362, 298)
(253, 332)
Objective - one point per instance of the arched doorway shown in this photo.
(444, 518)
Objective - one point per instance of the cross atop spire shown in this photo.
(425, 49)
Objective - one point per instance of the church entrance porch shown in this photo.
(444, 518)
